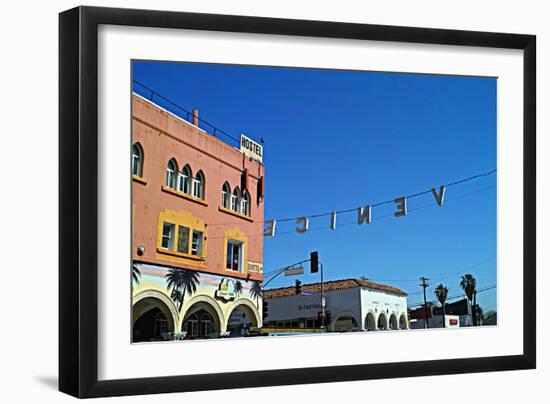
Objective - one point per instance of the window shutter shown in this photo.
(244, 179)
(260, 192)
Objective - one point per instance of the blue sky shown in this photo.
(336, 140)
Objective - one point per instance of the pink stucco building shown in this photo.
(198, 210)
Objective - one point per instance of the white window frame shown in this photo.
(199, 245)
(184, 184)
(169, 237)
(181, 181)
(171, 175)
(245, 204)
(195, 188)
(137, 158)
(236, 200)
(229, 253)
(225, 197)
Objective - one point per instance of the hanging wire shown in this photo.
(417, 194)
(376, 218)
(458, 296)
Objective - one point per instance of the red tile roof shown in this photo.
(332, 285)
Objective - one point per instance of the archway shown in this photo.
(242, 315)
(370, 323)
(393, 322)
(152, 320)
(202, 321)
(344, 323)
(382, 322)
(403, 322)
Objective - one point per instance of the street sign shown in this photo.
(294, 271)
(306, 294)
(323, 302)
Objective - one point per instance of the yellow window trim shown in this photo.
(236, 214)
(139, 179)
(184, 196)
(178, 254)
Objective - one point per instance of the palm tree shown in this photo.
(468, 283)
(238, 287)
(182, 282)
(441, 293)
(135, 273)
(256, 292)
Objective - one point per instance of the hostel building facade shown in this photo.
(197, 226)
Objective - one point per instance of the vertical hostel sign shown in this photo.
(250, 148)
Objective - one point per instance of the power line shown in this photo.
(345, 224)
(466, 269)
(434, 279)
(458, 296)
(373, 205)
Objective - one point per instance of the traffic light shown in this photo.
(314, 261)
(264, 309)
(298, 287)
(328, 318)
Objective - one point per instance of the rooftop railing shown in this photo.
(153, 96)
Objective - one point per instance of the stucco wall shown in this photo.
(162, 137)
(378, 302)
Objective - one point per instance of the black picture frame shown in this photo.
(78, 204)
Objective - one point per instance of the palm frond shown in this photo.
(136, 273)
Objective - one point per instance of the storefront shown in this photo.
(351, 305)
(216, 306)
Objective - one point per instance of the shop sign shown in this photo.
(226, 289)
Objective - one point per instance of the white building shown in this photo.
(353, 304)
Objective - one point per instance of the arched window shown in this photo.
(393, 322)
(161, 325)
(184, 180)
(199, 325)
(137, 160)
(226, 191)
(245, 204)
(382, 322)
(198, 185)
(235, 198)
(206, 324)
(171, 171)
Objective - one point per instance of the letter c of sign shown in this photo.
(304, 221)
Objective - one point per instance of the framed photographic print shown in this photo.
(250, 201)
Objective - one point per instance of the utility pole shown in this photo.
(323, 324)
(474, 310)
(425, 284)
